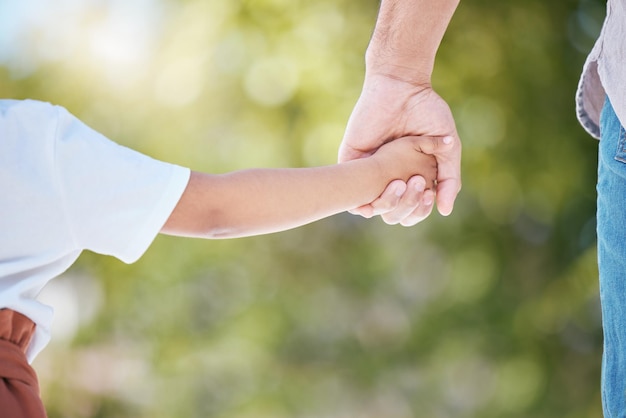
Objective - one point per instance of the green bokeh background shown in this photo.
(491, 312)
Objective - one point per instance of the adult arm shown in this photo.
(406, 38)
(397, 100)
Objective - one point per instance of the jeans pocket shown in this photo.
(620, 154)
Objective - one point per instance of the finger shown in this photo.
(366, 211)
(408, 203)
(448, 173)
(435, 145)
(423, 211)
(447, 191)
(386, 202)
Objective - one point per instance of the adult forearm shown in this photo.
(407, 36)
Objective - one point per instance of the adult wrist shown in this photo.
(409, 69)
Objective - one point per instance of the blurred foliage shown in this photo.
(492, 312)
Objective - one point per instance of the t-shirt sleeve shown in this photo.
(117, 200)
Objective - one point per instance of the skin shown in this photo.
(261, 201)
(398, 100)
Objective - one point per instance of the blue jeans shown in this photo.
(612, 260)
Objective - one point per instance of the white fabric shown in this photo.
(65, 188)
(604, 72)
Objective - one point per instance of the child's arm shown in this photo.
(259, 201)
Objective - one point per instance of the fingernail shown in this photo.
(399, 189)
(447, 140)
(419, 183)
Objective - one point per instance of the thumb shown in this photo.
(447, 151)
(347, 153)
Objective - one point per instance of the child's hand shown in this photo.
(412, 155)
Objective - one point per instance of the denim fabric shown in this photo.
(612, 259)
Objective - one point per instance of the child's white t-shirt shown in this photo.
(65, 188)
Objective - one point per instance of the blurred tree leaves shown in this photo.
(492, 312)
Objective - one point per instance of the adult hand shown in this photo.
(390, 108)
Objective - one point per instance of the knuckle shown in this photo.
(383, 206)
(411, 200)
(435, 142)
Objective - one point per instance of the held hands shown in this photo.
(390, 108)
(410, 159)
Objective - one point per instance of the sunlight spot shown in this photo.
(519, 383)
(482, 123)
(181, 81)
(271, 81)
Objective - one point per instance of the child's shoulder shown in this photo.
(9, 106)
(27, 124)
(29, 115)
